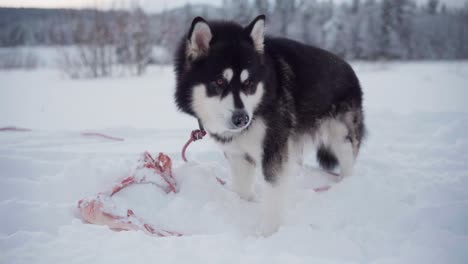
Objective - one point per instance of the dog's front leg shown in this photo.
(276, 169)
(242, 172)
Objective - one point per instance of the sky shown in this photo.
(148, 5)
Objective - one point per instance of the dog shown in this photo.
(260, 98)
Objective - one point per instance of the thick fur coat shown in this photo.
(261, 98)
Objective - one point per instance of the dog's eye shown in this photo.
(220, 82)
(249, 86)
(218, 86)
(248, 83)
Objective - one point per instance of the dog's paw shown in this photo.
(244, 192)
(267, 227)
(247, 196)
(337, 178)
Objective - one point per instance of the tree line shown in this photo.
(356, 30)
(365, 29)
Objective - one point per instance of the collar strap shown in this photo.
(200, 125)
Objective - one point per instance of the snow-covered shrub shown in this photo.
(17, 58)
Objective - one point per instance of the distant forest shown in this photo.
(358, 30)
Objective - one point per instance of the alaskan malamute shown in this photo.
(261, 97)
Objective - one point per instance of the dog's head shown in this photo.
(220, 72)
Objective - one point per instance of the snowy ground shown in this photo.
(406, 203)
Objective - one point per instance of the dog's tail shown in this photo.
(326, 158)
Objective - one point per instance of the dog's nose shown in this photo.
(240, 119)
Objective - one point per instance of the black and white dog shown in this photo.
(261, 97)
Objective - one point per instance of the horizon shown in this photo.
(150, 6)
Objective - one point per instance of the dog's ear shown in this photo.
(199, 38)
(256, 31)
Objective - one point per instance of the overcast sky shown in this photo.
(148, 5)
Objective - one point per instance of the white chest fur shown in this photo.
(249, 142)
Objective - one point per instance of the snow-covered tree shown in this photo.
(432, 6)
(135, 44)
(263, 7)
(337, 34)
(285, 12)
(238, 10)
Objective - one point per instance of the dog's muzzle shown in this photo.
(240, 119)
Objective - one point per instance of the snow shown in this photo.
(406, 203)
(52, 56)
